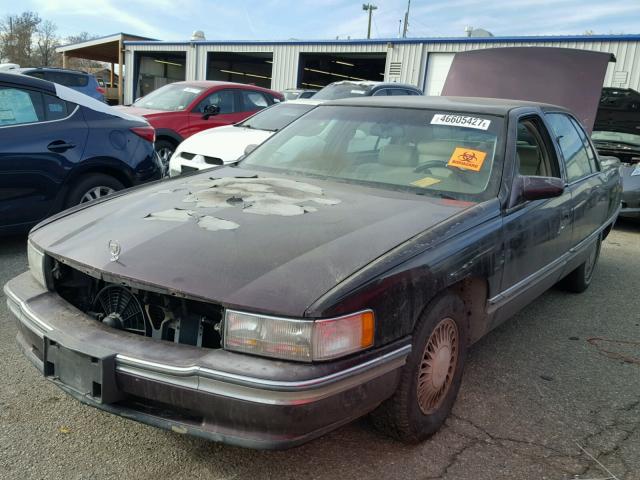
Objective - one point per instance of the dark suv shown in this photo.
(59, 148)
(82, 82)
(365, 88)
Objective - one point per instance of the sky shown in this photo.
(328, 19)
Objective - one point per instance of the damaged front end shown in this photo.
(120, 305)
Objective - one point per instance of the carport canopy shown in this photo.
(107, 49)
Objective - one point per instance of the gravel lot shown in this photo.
(537, 402)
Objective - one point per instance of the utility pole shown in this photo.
(370, 7)
(406, 20)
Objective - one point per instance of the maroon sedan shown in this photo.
(180, 109)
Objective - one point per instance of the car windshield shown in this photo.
(292, 95)
(170, 98)
(276, 117)
(616, 137)
(336, 91)
(429, 152)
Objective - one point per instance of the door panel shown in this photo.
(34, 160)
(230, 105)
(536, 233)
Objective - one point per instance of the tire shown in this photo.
(90, 187)
(408, 415)
(580, 279)
(164, 149)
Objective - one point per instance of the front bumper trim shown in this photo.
(226, 384)
(259, 390)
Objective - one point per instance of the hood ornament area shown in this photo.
(114, 249)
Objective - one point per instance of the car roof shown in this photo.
(27, 81)
(304, 101)
(373, 83)
(491, 106)
(217, 83)
(52, 69)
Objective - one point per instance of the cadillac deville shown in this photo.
(342, 268)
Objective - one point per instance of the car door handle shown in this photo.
(60, 146)
(565, 221)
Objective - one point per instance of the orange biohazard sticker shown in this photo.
(467, 159)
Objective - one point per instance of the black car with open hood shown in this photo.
(342, 268)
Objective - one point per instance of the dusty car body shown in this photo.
(308, 293)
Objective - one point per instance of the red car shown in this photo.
(178, 110)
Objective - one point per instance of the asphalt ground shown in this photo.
(538, 401)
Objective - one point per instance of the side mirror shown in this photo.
(250, 148)
(538, 188)
(210, 111)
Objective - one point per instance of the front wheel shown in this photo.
(91, 187)
(431, 378)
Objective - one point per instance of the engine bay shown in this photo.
(141, 312)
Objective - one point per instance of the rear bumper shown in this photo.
(215, 394)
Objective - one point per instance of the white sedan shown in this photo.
(221, 145)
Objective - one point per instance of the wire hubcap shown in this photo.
(438, 365)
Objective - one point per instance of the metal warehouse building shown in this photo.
(423, 62)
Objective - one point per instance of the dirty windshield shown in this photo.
(432, 152)
(171, 98)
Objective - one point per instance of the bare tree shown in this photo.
(16, 37)
(81, 63)
(47, 41)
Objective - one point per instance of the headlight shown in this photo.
(35, 256)
(303, 340)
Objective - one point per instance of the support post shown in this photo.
(120, 79)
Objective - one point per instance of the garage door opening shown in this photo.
(318, 70)
(251, 68)
(156, 69)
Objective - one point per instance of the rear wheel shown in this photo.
(580, 279)
(91, 187)
(431, 378)
(164, 150)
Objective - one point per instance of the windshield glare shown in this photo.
(276, 117)
(425, 151)
(342, 90)
(605, 136)
(171, 98)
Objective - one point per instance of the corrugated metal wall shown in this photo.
(411, 57)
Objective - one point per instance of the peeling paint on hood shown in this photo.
(257, 195)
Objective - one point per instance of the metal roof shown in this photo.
(511, 39)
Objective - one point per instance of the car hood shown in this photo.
(630, 178)
(227, 143)
(192, 236)
(568, 77)
(619, 111)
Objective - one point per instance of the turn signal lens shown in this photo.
(35, 257)
(340, 336)
(297, 339)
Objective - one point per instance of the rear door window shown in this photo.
(590, 153)
(576, 158)
(18, 106)
(253, 101)
(55, 108)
